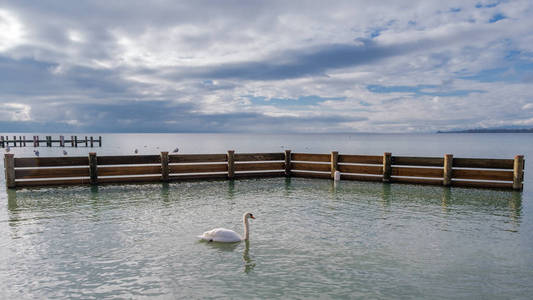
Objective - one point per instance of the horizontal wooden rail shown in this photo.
(93, 169)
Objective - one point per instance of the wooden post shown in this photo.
(24, 140)
(86, 142)
(518, 172)
(9, 166)
(2, 141)
(334, 163)
(164, 166)
(288, 163)
(35, 141)
(231, 164)
(92, 141)
(48, 141)
(100, 141)
(93, 168)
(448, 169)
(72, 140)
(75, 141)
(61, 141)
(14, 141)
(387, 166)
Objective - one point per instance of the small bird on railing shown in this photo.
(136, 151)
(176, 150)
(36, 152)
(65, 152)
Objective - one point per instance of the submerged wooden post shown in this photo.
(9, 167)
(387, 166)
(518, 172)
(92, 141)
(164, 166)
(287, 163)
(448, 169)
(93, 168)
(231, 164)
(334, 162)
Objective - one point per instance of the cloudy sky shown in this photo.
(265, 66)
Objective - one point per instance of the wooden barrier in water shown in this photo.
(74, 141)
(93, 169)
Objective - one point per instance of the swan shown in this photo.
(228, 236)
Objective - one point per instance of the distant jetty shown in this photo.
(490, 130)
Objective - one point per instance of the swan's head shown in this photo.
(249, 215)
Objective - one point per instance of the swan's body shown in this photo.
(224, 235)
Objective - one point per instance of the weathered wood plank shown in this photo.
(311, 167)
(129, 160)
(483, 163)
(55, 182)
(416, 180)
(482, 184)
(482, 174)
(447, 170)
(361, 159)
(140, 179)
(418, 172)
(51, 173)
(359, 169)
(418, 161)
(259, 156)
(197, 177)
(196, 158)
(387, 166)
(9, 168)
(259, 166)
(259, 174)
(29, 162)
(198, 168)
(360, 177)
(310, 175)
(518, 172)
(129, 170)
(310, 157)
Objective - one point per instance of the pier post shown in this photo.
(86, 143)
(2, 141)
(48, 141)
(288, 163)
(387, 166)
(92, 141)
(334, 162)
(61, 141)
(93, 168)
(231, 164)
(448, 169)
(35, 141)
(9, 167)
(164, 166)
(24, 140)
(75, 141)
(100, 141)
(14, 141)
(518, 172)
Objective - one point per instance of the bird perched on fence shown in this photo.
(136, 151)
(65, 152)
(176, 150)
(36, 152)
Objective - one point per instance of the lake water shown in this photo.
(311, 238)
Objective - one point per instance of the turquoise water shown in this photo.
(311, 238)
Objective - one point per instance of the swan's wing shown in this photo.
(220, 235)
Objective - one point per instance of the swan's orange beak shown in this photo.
(252, 217)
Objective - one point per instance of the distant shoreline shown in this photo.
(493, 130)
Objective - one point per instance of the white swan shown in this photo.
(227, 236)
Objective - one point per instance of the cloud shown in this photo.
(211, 66)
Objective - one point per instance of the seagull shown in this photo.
(36, 152)
(136, 151)
(176, 150)
(65, 152)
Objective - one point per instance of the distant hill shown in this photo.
(491, 130)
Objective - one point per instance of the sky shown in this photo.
(265, 66)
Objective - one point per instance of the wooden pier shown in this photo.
(74, 141)
(93, 169)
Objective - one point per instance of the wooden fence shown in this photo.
(447, 170)
(74, 141)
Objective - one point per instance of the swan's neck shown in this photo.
(246, 233)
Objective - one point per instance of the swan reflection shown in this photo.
(249, 264)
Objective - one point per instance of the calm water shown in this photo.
(311, 238)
